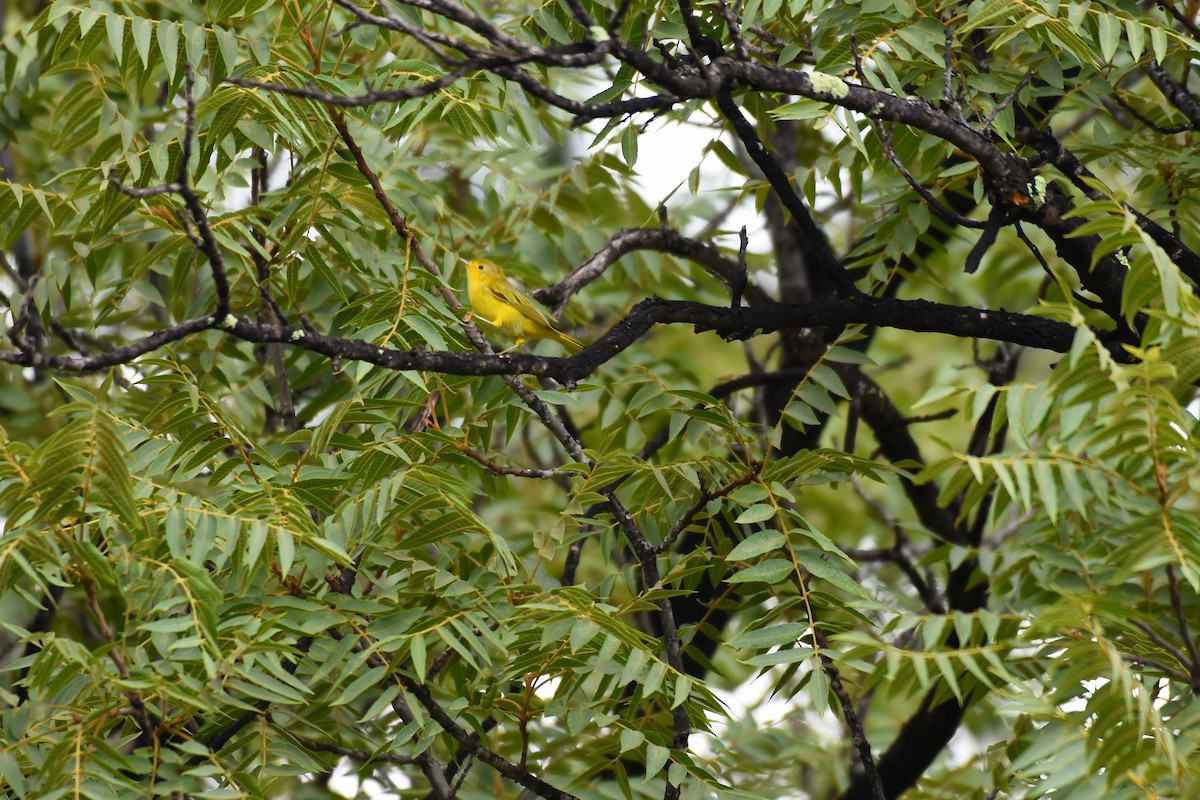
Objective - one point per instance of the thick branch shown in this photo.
(1175, 93)
(731, 323)
(817, 244)
(111, 358)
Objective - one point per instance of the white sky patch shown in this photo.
(667, 154)
(547, 689)
(345, 781)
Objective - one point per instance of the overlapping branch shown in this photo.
(733, 323)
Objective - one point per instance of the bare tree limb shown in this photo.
(662, 239)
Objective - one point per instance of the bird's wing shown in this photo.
(507, 294)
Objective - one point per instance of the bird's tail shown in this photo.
(573, 345)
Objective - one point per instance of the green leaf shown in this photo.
(773, 636)
(631, 739)
(228, 45)
(773, 570)
(656, 759)
(167, 34)
(143, 31)
(115, 25)
(824, 566)
(756, 513)
(757, 544)
(629, 145)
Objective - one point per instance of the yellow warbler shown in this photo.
(504, 307)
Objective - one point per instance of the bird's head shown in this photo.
(482, 268)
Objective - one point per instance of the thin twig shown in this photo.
(1161, 641)
(361, 756)
(1180, 17)
(140, 712)
(858, 734)
(948, 79)
(497, 469)
(1003, 104)
(1173, 674)
(705, 498)
(581, 15)
(1037, 254)
(739, 283)
(731, 18)
(858, 62)
(1193, 662)
(24, 319)
(203, 237)
(663, 239)
(618, 16)
(1149, 123)
(935, 205)
(897, 555)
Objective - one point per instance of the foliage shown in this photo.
(277, 522)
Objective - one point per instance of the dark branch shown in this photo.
(1175, 93)
(740, 323)
(497, 469)
(935, 205)
(114, 357)
(818, 245)
(704, 499)
(858, 733)
(1181, 618)
(1084, 180)
(361, 756)
(1003, 104)
(1180, 17)
(1010, 179)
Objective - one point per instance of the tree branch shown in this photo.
(818, 245)
(662, 239)
(731, 323)
(1175, 93)
(1084, 180)
(204, 239)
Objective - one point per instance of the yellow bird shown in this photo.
(504, 307)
